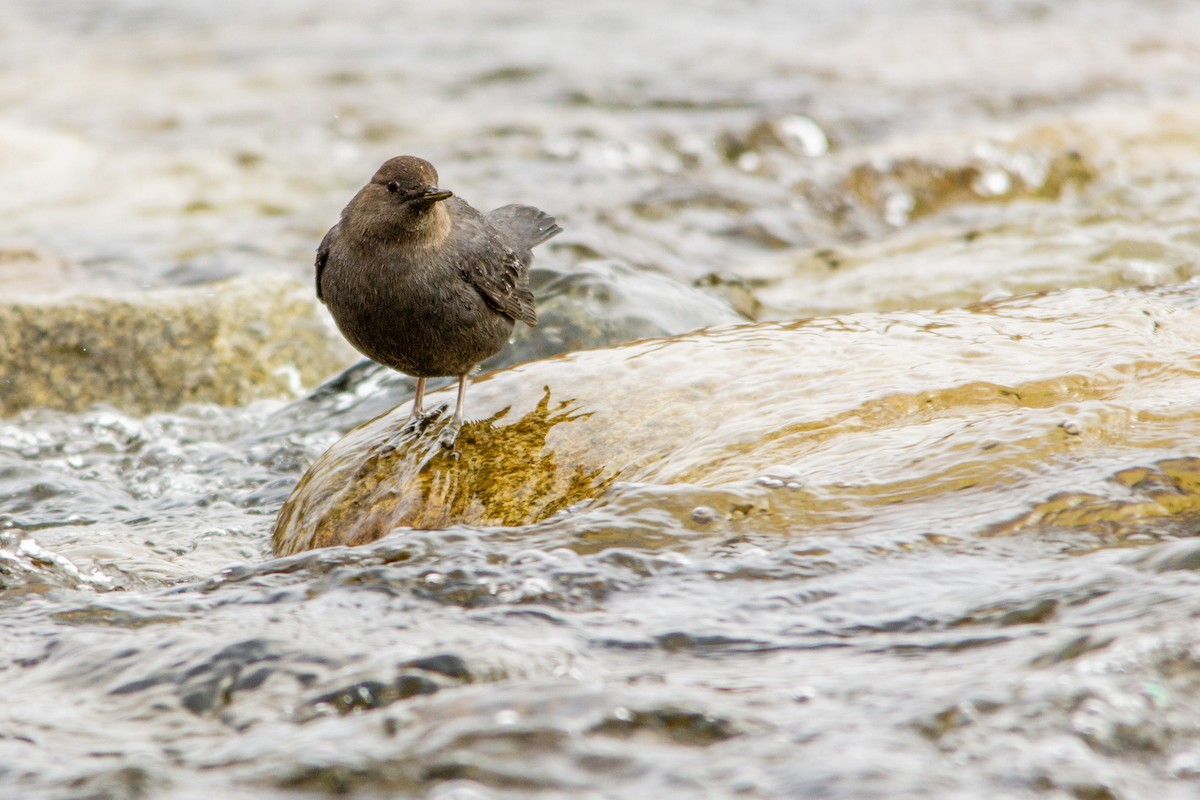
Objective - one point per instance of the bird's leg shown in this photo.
(449, 434)
(419, 417)
(418, 399)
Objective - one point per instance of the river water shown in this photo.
(972, 575)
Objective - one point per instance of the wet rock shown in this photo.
(606, 302)
(447, 664)
(795, 133)
(840, 405)
(372, 694)
(26, 567)
(212, 683)
(909, 188)
(421, 676)
(679, 725)
(225, 343)
(215, 680)
(927, 266)
(736, 291)
(1157, 501)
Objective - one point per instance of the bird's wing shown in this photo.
(499, 274)
(323, 258)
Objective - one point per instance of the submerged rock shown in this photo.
(602, 303)
(225, 343)
(819, 422)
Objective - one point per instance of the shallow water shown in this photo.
(994, 600)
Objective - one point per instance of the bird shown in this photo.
(419, 281)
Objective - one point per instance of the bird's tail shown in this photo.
(528, 226)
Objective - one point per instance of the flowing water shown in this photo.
(956, 560)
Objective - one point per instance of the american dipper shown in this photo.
(419, 281)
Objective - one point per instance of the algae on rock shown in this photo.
(865, 419)
(226, 343)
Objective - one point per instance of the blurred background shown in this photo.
(157, 144)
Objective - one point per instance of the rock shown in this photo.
(928, 188)
(225, 343)
(802, 423)
(602, 303)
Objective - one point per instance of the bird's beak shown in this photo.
(434, 194)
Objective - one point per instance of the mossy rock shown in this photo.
(826, 420)
(226, 343)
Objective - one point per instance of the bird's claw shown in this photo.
(449, 434)
(419, 421)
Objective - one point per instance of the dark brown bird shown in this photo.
(419, 281)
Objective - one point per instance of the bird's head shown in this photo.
(403, 194)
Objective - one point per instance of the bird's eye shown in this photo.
(393, 187)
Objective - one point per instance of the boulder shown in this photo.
(818, 422)
(226, 343)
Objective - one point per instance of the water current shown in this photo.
(926, 531)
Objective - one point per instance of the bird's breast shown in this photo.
(419, 317)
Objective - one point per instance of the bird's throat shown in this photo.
(431, 228)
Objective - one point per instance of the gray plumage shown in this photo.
(421, 282)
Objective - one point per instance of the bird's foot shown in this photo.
(420, 420)
(449, 434)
